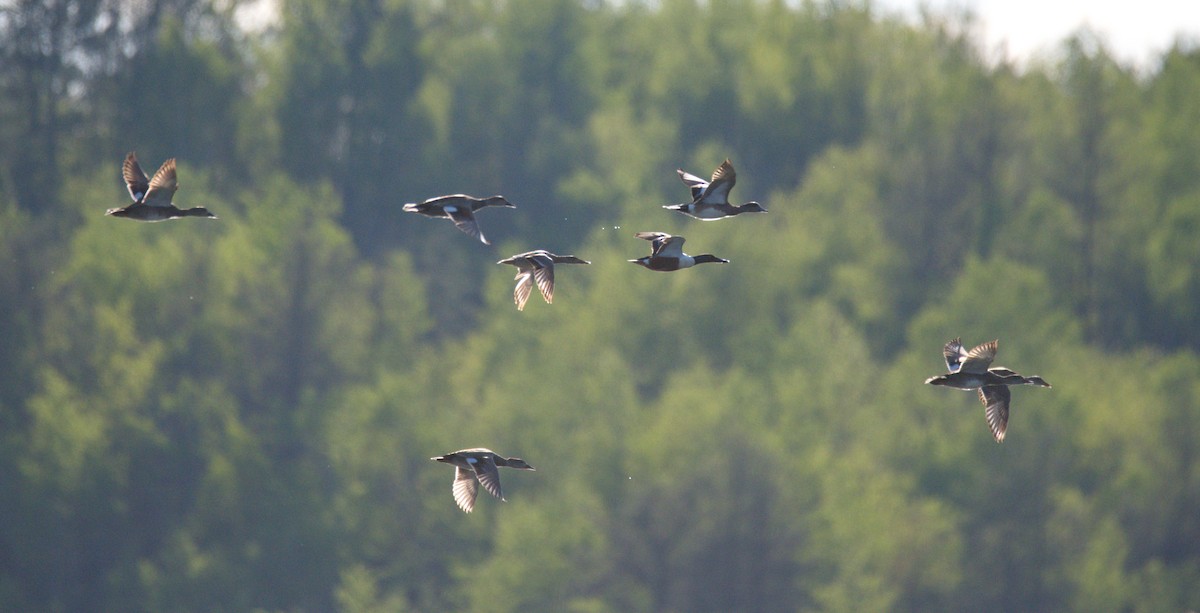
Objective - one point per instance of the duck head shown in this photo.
(197, 212)
(498, 201)
(752, 207)
(518, 463)
(1036, 380)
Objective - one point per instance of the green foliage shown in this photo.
(1094, 549)
(238, 414)
(358, 593)
(863, 556)
(556, 548)
(178, 99)
(1174, 280)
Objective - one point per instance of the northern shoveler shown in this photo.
(710, 199)
(666, 253)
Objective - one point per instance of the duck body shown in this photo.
(142, 212)
(665, 264)
(972, 370)
(536, 267)
(477, 465)
(459, 208)
(666, 253)
(993, 376)
(152, 198)
(710, 212)
(710, 199)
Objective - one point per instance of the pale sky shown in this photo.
(1137, 31)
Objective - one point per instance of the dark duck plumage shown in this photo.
(152, 197)
(972, 370)
(537, 267)
(710, 199)
(478, 464)
(459, 208)
(666, 253)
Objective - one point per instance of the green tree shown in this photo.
(344, 81)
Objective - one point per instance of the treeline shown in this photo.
(237, 415)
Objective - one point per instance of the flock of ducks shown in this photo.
(710, 201)
(967, 370)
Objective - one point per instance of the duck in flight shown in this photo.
(972, 370)
(537, 267)
(152, 197)
(710, 199)
(479, 464)
(459, 208)
(666, 253)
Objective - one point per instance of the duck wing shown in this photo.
(995, 399)
(670, 247)
(657, 240)
(464, 220)
(723, 180)
(162, 187)
(464, 489)
(694, 183)
(489, 476)
(524, 288)
(954, 354)
(979, 358)
(135, 178)
(663, 244)
(543, 275)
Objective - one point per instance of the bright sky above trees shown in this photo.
(1137, 32)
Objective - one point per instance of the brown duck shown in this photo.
(152, 197)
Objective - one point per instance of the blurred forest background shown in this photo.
(238, 414)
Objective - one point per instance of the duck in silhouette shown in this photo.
(710, 199)
(152, 197)
(460, 209)
(537, 267)
(479, 464)
(666, 253)
(972, 370)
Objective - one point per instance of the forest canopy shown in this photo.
(238, 414)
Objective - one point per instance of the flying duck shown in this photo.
(666, 253)
(460, 209)
(537, 266)
(972, 370)
(152, 197)
(710, 200)
(477, 464)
